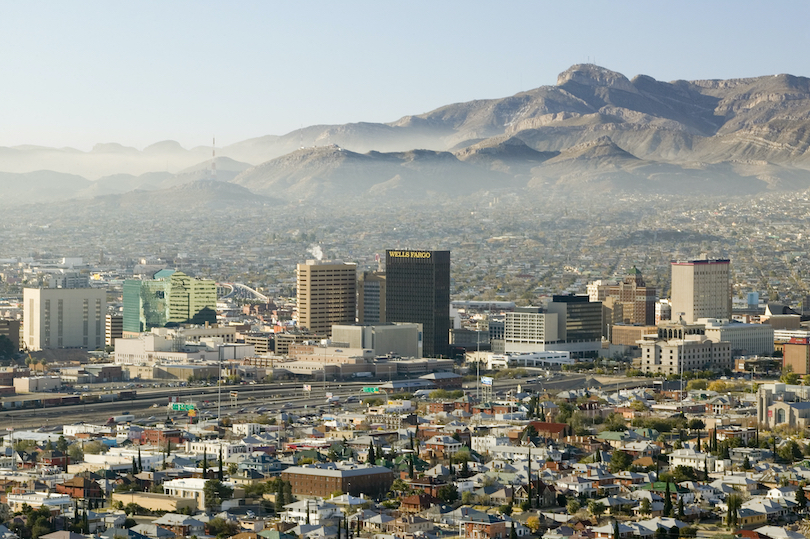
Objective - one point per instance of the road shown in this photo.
(273, 397)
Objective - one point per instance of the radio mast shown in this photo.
(214, 159)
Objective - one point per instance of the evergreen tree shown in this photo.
(288, 492)
(746, 463)
(597, 457)
(465, 468)
(340, 523)
(681, 514)
(134, 466)
(513, 533)
(307, 511)
(280, 500)
(140, 462)
(410, 466)
(801, 497)
(372, 458)
(667, 502)
(220, 474)
(698, 441)
(529, 493)
(615, 529)
(205, 464)
(705, 470)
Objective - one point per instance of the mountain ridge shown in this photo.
(754, 131)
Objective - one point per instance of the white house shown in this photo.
(691, 458)
(319, 511)
(193, 487)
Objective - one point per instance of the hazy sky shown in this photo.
(79, 73)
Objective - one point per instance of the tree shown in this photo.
(220, 527)
(134, 467)
(667, 502)
(512, 532)
(801, 497)
(280, 500)
(448, 493)
(734, 502)
(620, 461)
(372, 458)
(572, 507)
(533, 523)
(220, 473)
(746, 463)
(646, 507)
(597, 509)
(205, 464)
(215, 492)
(681, 514)
(7, 350)
(95, 448)
(788, 376)
(790, 451)
(616, 533)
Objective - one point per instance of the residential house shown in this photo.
(308, 511)
(442, 446)
(181, 525)
(483, 526)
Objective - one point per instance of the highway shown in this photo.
(272, 397)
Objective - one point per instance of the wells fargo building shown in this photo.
(418, 290)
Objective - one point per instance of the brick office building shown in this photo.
(324, 479)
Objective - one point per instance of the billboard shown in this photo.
(182, 406)
(486, 380)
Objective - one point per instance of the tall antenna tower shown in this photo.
(214, 159)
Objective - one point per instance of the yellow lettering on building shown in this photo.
(409, 254)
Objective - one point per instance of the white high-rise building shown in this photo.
(64, 318)
(701, 289)
(528, 330)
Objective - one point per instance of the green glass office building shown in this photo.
(170, 298)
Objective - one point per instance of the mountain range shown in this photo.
(593, 129)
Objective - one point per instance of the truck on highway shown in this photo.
(125, 418)
(364, 374)
(332, 400)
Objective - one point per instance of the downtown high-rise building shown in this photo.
(701, 289)
(636, 298)
(418, 291)
(326, 293)
(371, 290)
(64, 318)
(170, 298)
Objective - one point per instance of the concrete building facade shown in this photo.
(64, 318)
(326, 293)
(745, 339)
(701, 289)
(695, 352)
(401, 339)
